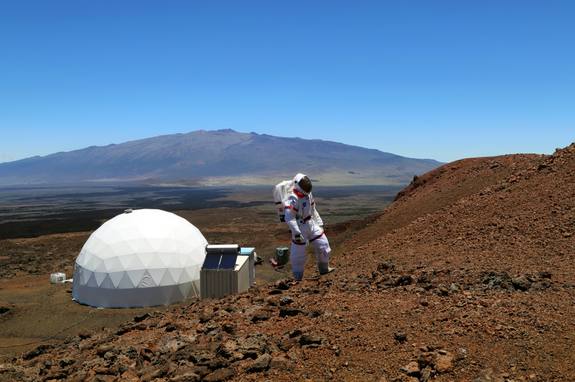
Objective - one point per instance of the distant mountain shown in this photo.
(221, 157)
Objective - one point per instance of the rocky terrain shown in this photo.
(467, 276)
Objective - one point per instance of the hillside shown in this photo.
(467, 276)
(222, 157)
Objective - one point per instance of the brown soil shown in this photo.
(468, 275)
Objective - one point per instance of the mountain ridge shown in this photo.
(210, 156)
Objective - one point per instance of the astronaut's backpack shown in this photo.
(281, 192)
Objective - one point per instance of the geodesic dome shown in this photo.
(140, 258)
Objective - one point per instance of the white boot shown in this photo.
(324, 268)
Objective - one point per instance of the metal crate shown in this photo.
(226, 270)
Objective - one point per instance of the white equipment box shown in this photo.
(57, 278)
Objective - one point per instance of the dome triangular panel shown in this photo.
(136, 276)
(168, 279)
(126, 282)
(116, 278)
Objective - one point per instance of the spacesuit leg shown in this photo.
(298, 258)
(322, 252)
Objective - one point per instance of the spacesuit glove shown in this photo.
(298, 238)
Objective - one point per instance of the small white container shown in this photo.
(57, 278)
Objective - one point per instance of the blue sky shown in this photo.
(425, 79)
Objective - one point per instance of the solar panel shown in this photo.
(228, 262)
(211, 261)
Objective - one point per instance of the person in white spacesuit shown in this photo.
(305, 225)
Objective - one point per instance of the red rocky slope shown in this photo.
(468, 275)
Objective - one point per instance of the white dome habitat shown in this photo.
(138, 259)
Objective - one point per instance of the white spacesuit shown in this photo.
(306, 225)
